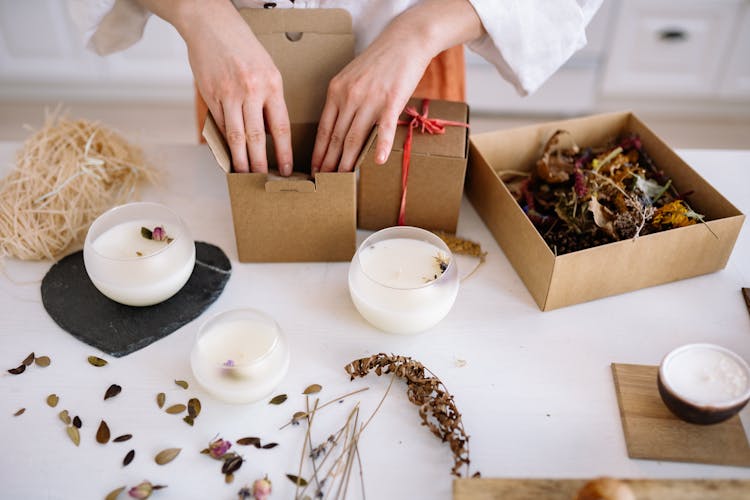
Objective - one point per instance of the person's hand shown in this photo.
(375, 87)
(240, 84)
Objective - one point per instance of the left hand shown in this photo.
(375, 87)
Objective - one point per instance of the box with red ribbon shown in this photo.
(422, 181)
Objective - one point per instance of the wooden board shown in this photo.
(653, 432)
(566, 489)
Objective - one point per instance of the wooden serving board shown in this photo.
(653, 432)
(566, 489)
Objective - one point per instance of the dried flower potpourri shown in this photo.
(579, 198)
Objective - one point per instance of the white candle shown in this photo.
(706, 375)
(403, 280)
(132, 269)
(240, 356)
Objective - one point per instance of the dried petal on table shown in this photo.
(96, 361)
(166, 456)
(175, 409)
(128, 458)
(312, 389)
(277, 400)
(102, 433)
(43, 361)
(73, 434)
(112, 391)
(182, 384)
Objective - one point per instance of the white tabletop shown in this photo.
(536, 390)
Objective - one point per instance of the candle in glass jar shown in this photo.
(240, 356)
(139, 254)
(403, 280)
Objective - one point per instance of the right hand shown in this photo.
(240, 84)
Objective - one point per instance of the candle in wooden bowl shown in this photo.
(139, 254)
(403, 280)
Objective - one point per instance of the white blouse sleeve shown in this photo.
(528, 40)
(109, 25)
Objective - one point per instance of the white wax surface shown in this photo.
(115, 267)
(401, 262)
(393, 285)
(257, 353)
(706, 376)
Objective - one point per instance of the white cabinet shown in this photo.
(735, 83)
(672, 49)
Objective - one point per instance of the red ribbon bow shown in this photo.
(424, 124)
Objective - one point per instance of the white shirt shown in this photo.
(526, 40)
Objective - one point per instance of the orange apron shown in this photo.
(444, 78)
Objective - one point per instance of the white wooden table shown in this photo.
(535, 389)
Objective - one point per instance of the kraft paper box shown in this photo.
(623, 266)
(295, 219)
(436, 175)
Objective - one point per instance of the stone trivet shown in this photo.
(78, 307)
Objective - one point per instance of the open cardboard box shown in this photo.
(558, 281)
(295, 219)
(436, 175)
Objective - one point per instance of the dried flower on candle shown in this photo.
(437, 408)
(156, 234)
(583, 197)
(441, 263)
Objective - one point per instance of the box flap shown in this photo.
(217, 144)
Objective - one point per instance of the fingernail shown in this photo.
(381, 157)
(286, 169)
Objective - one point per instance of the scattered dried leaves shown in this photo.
(64, 417)
(73, 434)
(52, 400)
(102, 433)
(128, 458)
(29, 359)
(277, 400)
(123, 438)
(17, 371)
(43, 361)
(313, 389)
(249, 441)
(175, 409)
(182, 384)
(96, 361)
(77, 422)
(19, 412)
(160, 398)
(437, 408)
(112, 391)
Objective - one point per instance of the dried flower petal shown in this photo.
(114, 493)
(277, 400)
(128, 458)
(188, 420)
(231, 465)
(112, 391)
(160, 398)
(299, 481)
(249, 441)
(96, 361)
(42, 361)
(175, 409)
(77, 422)
(262, 488)
(313, 389)
(142, 491)
(102, 433)
(29, 359)
(73, 434)
(166, 456)
(17, 371)
(269, 446)
(146, 233)
(158, 234)
(120, 439)
(194, 407)
(218, 447)
(19, 412)
(182, 384)
(64, 417)
(52, 400)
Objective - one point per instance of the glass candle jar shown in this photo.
(403, 280)
(240, 356)
(139, 254)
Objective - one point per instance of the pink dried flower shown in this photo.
(158, 234)
(580, 182)
(262, 488)
(141, 491)
(218, 447)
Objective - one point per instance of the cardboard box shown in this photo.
(436, 175)
(558, 281)
(295, 219)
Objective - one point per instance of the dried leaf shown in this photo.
(188, 420)
(19, 412)
(73, 434)
(298, 415)
(249, 441)
(115, 493)
(160, 398)
(96, 361)
(120, 439)
(77, 422)
(299, 481)
(182, 384)
(128, 458)
(194, 407)
(166, 456)
(175, 409)
(112, 391)
(277, 400)
(64, 417)
(231, 465)
(29, 359)
(313, 389)
(102, 433)
(17, 371)
(268, 446)
(52, 400)
(43, 361)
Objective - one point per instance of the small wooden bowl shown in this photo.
(692, 410)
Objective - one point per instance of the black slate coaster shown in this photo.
(72, 300)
